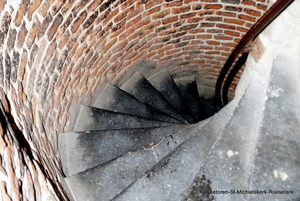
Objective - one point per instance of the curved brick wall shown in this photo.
(52, 52)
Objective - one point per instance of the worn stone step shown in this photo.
(84, 150)
(106, 181)
(188, 88)
(116, 100)
(228, 166)
(277, 151)
(171, 177)
(164, 83)
(92, 119)
(142, 90)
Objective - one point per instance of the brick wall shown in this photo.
(52, 52)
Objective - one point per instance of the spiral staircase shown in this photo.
(152, 137)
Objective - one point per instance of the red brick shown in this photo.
(212, 42)
(222, 48)
(197, 6)
(133, 22)
(152, 3)
(181, 44)
(179, 23)
(212, 52)
(109, 45)
(118, 32)
(153, 10)
(110, 16)
(225, 54)
(168, 47)
(54, 26)
(161, 39)
(143, 23)
(204, 36)
(229, 44)
(21, 35)
(172, 51)
(90, 21)
(214, 19)
(127, 3)
(155, 47)
(148, 56)
(21, 12)
(248, 2)
(123, 14)
(170, 20)
(43, 10)
(224, 13)
(78, 21)
(233, 8)
(167, 32)
(232, 33)
(222, 37)
(252, 12)
(261, 7)
(234, 21)
(207, 47)
(161, 14)
(33, 6)
(166, 27)
(241, 29)
(153, 24)
(189, 1)
(198, 30)
(204, 12)
(140, 44)
(207, 24)
(146, 47)
(173, 4)
(64, 39)
(188, 15)
(182, 9)
(125, 34)
(237, 40)
(198, 62)
(188, 37)
(248, 18)
(226, 26)
(135, 13)
(56, 6)
(94, 5)
(249, 25)
(213, 6)
(195, 19)
(188, 27)
(214, 31)
(32, 33)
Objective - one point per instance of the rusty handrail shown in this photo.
(255, 30)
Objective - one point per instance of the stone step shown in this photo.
(106, 181)
(188, 88)
(207, 100)
(92, 119)
(144, 92)
(277, 151)
(228, 165)
(84, 150)
(114, 99)
(171, 177)
(164, 83)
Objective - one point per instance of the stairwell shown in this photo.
(114, 100)
(140, 140)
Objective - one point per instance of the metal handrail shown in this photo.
(254, 31)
